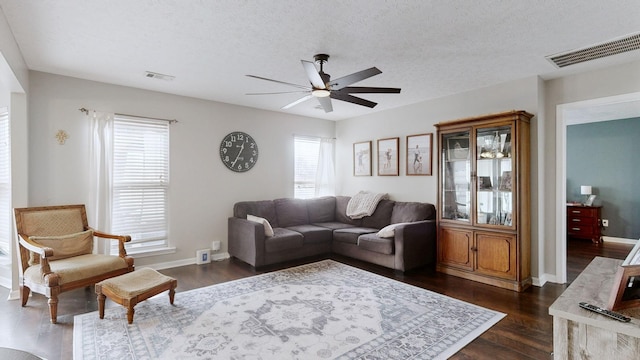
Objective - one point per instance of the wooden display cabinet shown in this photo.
(484, 199)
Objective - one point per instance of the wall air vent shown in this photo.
(613, 47)
(154, 75)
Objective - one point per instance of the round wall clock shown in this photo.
(238, 151)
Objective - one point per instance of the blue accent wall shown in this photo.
(606, 155)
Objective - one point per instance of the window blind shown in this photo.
(140, 182)
(306, 153)
(5, 183)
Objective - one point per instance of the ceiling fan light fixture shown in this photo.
(320, 92)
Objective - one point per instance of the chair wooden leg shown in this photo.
(24, 295)
(53, 308)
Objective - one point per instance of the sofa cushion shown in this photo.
(291, 212)
(283, 239)
(350, 235)
(411, 211)
(313, 234)
(333, 225)
(322, 209)
(381, 217)
(341, 211)
(262, 208)
(375, 243)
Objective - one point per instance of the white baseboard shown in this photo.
(183, 262)
(619, 240)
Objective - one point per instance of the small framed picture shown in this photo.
(505, 181)
(419, 149)
(484, 183)
(362, 158)
(590, 200)
(457, 148)
(388, 156)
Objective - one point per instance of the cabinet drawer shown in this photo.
(581, 230)
(577, 221)
(581, 212)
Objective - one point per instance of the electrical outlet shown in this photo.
(605, 222)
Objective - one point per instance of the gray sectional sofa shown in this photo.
(310, 227)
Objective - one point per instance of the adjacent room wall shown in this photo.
(602, 155)
(203, 190)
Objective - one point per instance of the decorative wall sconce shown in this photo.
(62, 136)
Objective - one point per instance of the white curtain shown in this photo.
(325, 175)
(100, 170)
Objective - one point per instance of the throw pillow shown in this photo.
(65, 246)
(268, 230)
(389, 231)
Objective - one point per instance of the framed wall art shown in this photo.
(362, 158)
(419, 150)
(388, 156)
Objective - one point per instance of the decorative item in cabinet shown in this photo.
(483, 199)
(584, 222)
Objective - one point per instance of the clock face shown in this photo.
(238, 151)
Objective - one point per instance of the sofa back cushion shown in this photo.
(321, 210)
(291, 212)
(412, 211)
(381, 217)
(341, 211)
(262, 208)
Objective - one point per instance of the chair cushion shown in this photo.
(64, 246)
(78, 268)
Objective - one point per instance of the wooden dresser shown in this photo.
(584, 222)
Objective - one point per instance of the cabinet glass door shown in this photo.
(456, 176)
(494, 159)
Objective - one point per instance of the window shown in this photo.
(140, 187)
(313, 167)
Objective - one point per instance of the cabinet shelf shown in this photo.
(484, 204)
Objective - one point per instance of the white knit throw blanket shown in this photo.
(364, 204)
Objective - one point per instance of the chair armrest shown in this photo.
(415, 244)
(44, 252)
(121, 240)
(246, 240)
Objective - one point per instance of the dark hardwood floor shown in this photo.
(525, 333)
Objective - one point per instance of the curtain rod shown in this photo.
(171, 121)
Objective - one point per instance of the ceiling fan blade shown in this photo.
(279, 92)
(345, 81)
(325, 102)
(313, 75)
(352, 99)
(302, 99)
(280, 82)
(370, 90)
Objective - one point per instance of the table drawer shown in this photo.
(581, 230)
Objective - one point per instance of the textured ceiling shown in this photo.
(429, 49)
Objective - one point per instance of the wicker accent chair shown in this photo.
(56, 252)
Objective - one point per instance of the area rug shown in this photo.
(324, 310)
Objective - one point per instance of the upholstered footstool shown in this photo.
(134, 287)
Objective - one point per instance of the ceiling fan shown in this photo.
(325, 89)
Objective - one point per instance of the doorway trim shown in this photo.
(581, 112)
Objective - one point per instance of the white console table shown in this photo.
(583, 334)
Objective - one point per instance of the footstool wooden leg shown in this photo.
(101, 299)
(130, 313)
(172, 291)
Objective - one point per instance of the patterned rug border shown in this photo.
(118, 313)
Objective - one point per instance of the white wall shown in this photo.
(203, 191)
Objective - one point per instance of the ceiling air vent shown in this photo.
(154, 75)
(613, 47)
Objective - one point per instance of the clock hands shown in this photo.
(238, 156)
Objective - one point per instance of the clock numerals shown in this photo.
(245, 155)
